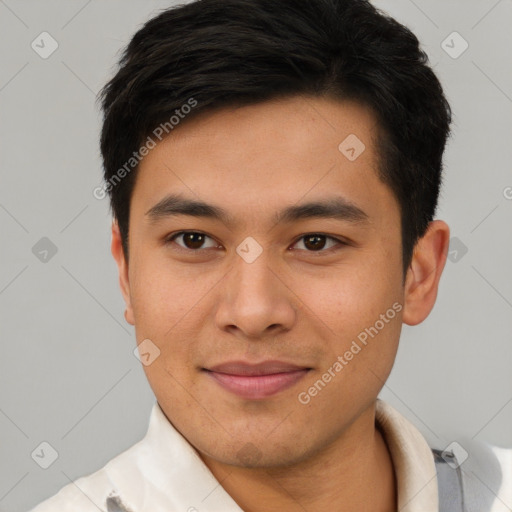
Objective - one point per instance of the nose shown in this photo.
(254, 299)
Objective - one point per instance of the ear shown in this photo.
(424, 272)
(122, 265)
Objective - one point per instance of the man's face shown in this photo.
(257, 289)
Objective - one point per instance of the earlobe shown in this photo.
(122, 265)
(424, 273)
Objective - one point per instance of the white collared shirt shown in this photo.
(163, 473)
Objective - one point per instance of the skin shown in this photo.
(297, 302)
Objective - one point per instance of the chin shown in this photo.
(256, 454)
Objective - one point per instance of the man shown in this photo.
(274, 169)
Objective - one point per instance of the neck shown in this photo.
(352, 473)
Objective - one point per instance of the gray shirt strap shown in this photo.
(449, 482)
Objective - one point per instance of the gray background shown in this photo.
(68, 375)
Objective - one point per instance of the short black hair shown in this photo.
(210, 54)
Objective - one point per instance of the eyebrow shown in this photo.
(336, 207)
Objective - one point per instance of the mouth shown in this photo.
(256, 381)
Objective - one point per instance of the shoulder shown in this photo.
(99, 491)
(487, 477)
(86, 494)
(485, 473)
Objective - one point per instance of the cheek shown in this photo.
(361, 307)
(359, 353)
(353, 298)
(161, 296)
(169, 307)
(165, 311)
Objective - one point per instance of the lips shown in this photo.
(256, 381)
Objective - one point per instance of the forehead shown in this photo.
(255, 158)
(297, 125)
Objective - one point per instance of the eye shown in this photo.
(316, 242)
(192, 240)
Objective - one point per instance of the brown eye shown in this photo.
(316, 242)
(191, 240)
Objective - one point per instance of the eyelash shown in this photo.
(170, 239)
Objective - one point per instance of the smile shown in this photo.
(256, 382)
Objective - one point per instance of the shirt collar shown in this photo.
(166, 473)
(412, 459)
